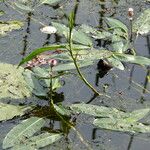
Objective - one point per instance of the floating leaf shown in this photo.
(77, 36)
(132, 59)
(97, 111)
(142, 23)
(12, 83)
(22, 131)
(9, 26)
(38, 141)
(8, 111)
(114, 23)
(121, 125)
(116, 63)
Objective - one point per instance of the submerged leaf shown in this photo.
(9, 26)
(8, 111)
(12, 83)
(22, 131)
(142, 23)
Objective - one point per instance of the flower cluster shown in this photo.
(42, 60)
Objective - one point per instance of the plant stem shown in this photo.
(77, 67)
(51, 86)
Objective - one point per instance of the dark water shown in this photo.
(124, 87)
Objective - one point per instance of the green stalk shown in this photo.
(76, 65)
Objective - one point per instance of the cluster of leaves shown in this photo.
(26, 135)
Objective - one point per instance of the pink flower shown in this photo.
(52, 62)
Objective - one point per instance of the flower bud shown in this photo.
(130, 13)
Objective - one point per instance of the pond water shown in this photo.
(128, 89)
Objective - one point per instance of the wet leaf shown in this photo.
(62, 110)
(115, 23)
(22, 6)
(121, 125)
(23, 131)
(8, 26)
(95, 33)
(142, 23)
(97, 111)
(12, 83)
(77, 36)
(140, 60)
(38, 141)
(8, 111)
(38, 85)
(116, 63)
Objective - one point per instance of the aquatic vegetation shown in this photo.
(44, 71)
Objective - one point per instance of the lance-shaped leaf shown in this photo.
(38, 141)
(132, 59)
(121, 125)
(22, 131)
(115, 23)
(77, 36)
(142, 23)
(97, 111)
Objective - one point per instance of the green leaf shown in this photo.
(77, 36)
(117, 44)
(50, 2)
(22, 6)
(39, 81)
(116, 63)
(95, 33)
(39, 51)
(114, 23)
(8, 111)
(62, 110)
(22, 131)
(38, 141)
(92, 55)
(132, 59)
(142, 23)
(97, 111)
(136, 115)
(121, 125)
(8, 26)
(12, 83)
(71, 66)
